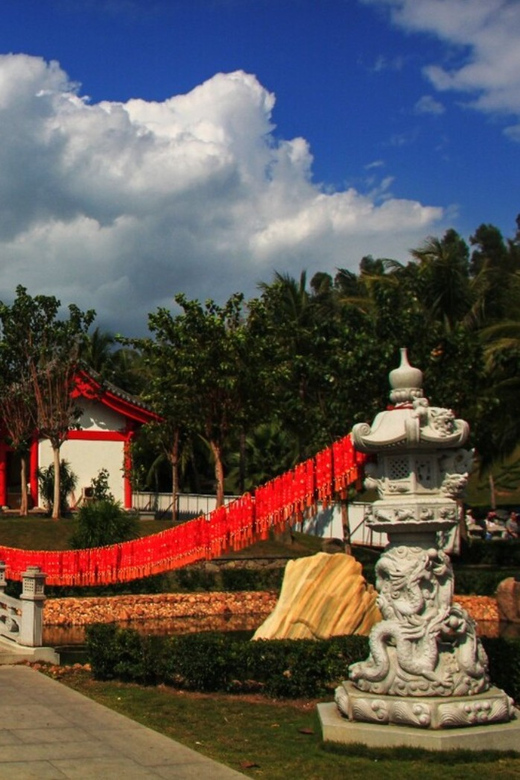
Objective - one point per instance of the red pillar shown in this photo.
(127, 470)
(33, 472)
(3, 474)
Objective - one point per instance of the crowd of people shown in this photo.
(493, 527)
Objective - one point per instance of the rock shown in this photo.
(322, 596)
(508, 600)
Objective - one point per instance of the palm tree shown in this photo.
(98, 352)
(443, 274)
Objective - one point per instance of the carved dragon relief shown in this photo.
(455, 467)
(424, 646)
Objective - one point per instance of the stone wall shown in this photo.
(84, 611)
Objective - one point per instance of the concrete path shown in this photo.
(51, 731)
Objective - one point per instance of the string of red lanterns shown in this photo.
(280, 502)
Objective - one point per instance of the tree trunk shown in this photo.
(345, 522)
(56, 500)
(174, 460)
(242, 462)
(24, 503)
(219, 471)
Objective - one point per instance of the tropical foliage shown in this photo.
(247, 388)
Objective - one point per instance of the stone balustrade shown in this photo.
(21, 619)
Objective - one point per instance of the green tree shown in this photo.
(18, 415)
(196, 360)
(44, 350)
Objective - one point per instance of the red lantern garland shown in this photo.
(233, 526)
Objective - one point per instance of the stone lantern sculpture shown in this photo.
(426, 668)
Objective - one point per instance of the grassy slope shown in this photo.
(276, 739)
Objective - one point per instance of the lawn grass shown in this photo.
(43, 533)
(277, 739)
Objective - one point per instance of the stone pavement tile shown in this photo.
(50, 751)
(35, 770)
(27, 714)
(107, 768)
(95, 718)
(59, 733)
(8, 738)
(38, 736)
(211, 771)
(148, 747)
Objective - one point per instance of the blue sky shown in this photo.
(200, 145)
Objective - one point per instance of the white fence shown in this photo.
(188, 504)
(21, 619)
(326, 523)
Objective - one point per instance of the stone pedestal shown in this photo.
(429, 712)
(499, 736)
(426, 676)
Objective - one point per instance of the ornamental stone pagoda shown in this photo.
(425, 682)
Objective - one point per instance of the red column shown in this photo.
(3, 474)
(127, 470)
(33, 471)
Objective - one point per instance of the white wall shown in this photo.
(86, 458)
(327, 524)
(96, 417)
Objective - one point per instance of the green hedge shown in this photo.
(187, 580)
(504, 664)
(223, 662)
(496, 552)
(480, 581)
(278, 668)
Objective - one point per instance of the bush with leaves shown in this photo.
(213, 661)
(103, 522)
(100, 487)
(289, 668)
(68, 482)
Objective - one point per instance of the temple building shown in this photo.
(109, 420)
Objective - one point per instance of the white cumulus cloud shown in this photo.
(118, 206)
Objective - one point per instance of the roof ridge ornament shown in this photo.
(405, 381)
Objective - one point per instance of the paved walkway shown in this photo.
(51, 731)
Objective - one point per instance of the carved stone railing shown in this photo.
(21, 619)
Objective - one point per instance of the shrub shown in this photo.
(196, 579)
(497, 552)
(201, 662)
(157, 583)
(279, 668)
(480, 581)
(222, 662)
(100, 488)
(504, 664)
(251, 579)
(101, 640)
(102, 523)
(68, 482)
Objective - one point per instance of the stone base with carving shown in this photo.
(433, 712)
(491, 736)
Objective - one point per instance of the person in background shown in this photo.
(512, 527)
(492, 527)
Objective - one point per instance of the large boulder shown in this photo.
(322, 596)
(508, 600)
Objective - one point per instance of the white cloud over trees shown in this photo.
(483, 56)
(119, 206)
